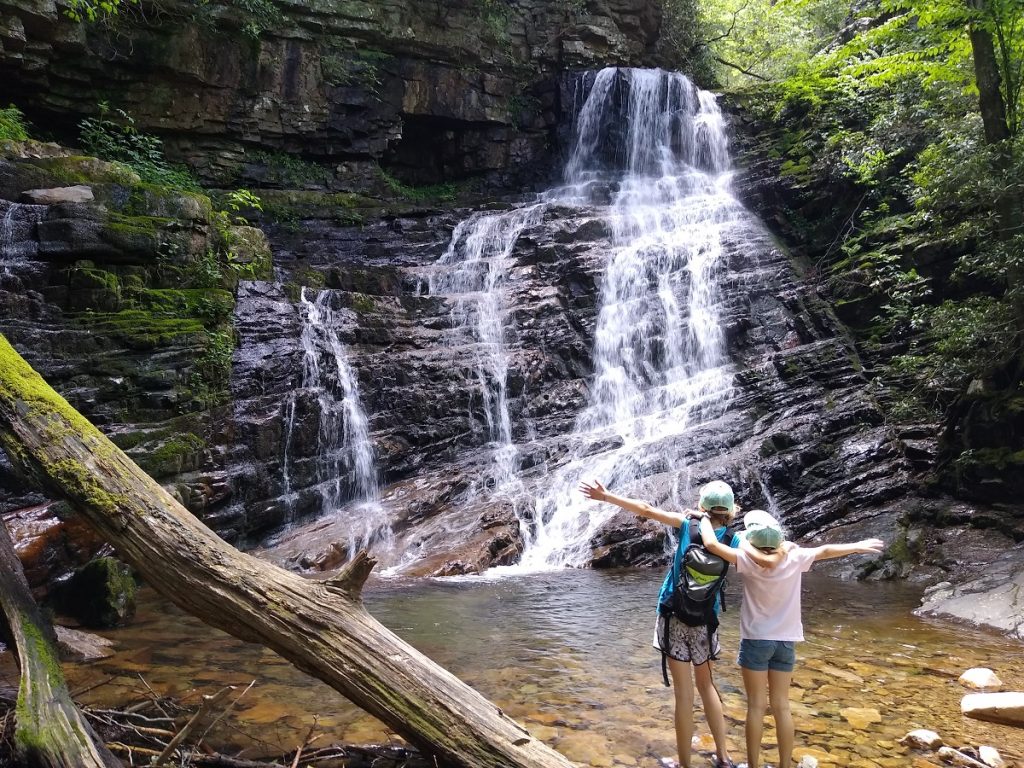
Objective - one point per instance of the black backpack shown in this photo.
(701, 579)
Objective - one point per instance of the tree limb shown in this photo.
(320, 629)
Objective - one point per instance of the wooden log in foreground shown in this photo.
(50, 732)
(320, 626)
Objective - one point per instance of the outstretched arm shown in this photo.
(865, 547)
(597, 492)
(711, 542)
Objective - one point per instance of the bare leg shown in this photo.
(682, 686)
(778, 694)
(712, 707)
(756, 686)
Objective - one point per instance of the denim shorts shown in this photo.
(762, 655)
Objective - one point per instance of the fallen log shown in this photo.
(49, 732)
(322, 627)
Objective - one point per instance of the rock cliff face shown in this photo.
(424, 91)
(112, 293)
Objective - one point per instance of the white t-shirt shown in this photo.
(771, 597)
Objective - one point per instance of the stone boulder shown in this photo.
(78, 193)
(980, 678)
(987, 598)
(922, 739)
(1006, 708)
(99, 595)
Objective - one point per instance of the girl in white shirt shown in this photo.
(770, 621)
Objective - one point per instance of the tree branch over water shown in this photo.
(322, 629)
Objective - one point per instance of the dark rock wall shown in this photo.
(430, 91)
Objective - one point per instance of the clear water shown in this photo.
(568, 654)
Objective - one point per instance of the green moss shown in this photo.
(289, 207)
(20, 383)
(140, 329)
(436, 193)
(168, 458)
(304, 276)
(31, 734)
(362, 303)
(83, 169)
(211, 305)
(149, 199)
(148, 226)
(899, 549)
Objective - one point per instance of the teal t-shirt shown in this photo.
(669, 584)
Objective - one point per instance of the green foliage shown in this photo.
(113, 136)
(211, 372)
(341, 63)
(290, 171)
(922, 247)
(258, 15)
(12, 124)
(445, 192)
(95, 10)
(495, 15)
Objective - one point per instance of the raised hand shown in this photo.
(871, 546)
(594, 491)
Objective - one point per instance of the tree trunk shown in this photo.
(986, 75)
(320, 626)
(50, 731)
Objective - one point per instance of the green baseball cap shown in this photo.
(762, 530)
(717, 494)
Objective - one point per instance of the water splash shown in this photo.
(346, 472)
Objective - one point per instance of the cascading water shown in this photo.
(346, 469)
(17, 243)
(472, 274)
(659, 351)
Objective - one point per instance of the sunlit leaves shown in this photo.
(95, 10)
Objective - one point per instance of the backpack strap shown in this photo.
(666, 617)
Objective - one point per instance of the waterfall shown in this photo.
(660, 362)
(17, 241)
(472, 274)
(345, 464)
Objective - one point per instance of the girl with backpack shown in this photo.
(770, 621)
(684, 645)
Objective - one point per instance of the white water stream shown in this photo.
(660, 362)
(658, 145)
(346, 468)
(17, 241)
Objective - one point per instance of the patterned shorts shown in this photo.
(686, 643)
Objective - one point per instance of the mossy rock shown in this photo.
(92, 288)
(249, 251)
(99, 595)
(287, 207)
(141, 330)
(212, 306)
(180, 453)
(145, 199)
(81, 169)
